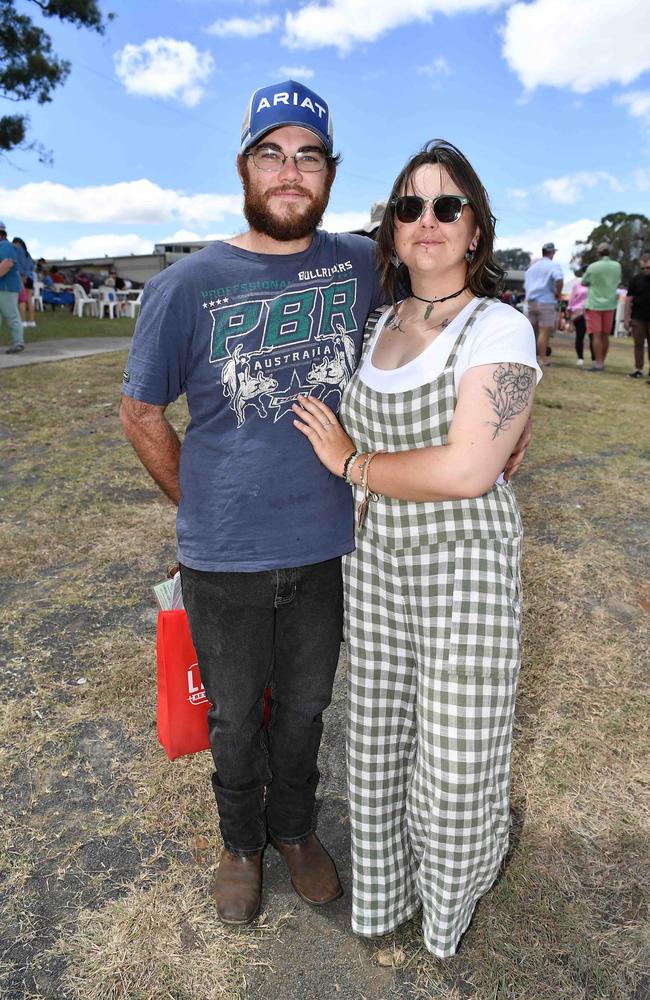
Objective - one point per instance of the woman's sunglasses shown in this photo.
(446, 207)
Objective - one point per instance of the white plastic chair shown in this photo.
(131, 307)
(108, 300)
(37, 298)
(83, 301)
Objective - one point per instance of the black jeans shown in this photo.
(580, 327)
(278, 628)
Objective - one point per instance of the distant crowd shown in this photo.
(25, 283)
(591, 308)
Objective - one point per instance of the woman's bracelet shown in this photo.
(347, 466)
(368, 495)
(367, 492)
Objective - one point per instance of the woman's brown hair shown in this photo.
(484, 276)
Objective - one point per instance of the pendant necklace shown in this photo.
(395, 323)
(432, 302)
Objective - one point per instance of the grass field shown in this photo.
(60, 323)
(108, 849)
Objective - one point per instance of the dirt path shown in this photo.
(314, 953)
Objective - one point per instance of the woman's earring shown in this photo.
(395, 261)
(469, 256)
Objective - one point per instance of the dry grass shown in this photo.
(157, 942)
(109, 849)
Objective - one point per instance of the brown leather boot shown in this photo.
(237, 887)
(312, 871)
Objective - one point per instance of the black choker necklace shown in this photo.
(432, 302)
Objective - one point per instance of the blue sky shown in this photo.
(550, 100)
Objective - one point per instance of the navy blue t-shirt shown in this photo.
(242, 334)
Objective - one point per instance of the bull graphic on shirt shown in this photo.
(335, 369)
(271, 350)
(244, 389)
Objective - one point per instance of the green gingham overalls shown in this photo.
(433, 614)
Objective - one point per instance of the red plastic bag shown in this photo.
(182, 702)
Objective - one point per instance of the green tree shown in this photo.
(513, 259)
(628, 236)
(29, 68)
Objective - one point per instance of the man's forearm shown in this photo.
(156, 444)
(6, 266)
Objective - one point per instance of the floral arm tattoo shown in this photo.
(511, 396)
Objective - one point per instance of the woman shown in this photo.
(26, 268)
(437, 404)
(576, 308)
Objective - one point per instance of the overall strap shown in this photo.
(460, 339)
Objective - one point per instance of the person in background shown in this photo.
(637, 315)
(576, 308)
(26, 266)
(543, 288)
(602, 277)
(53, 277)
(83, 279)
(10, 286)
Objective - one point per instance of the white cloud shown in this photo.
(99, 245)
(344, 222)
(642, 178)
(517, 194)
(295, 73)
(570, 188)
(115, 244)
(580, 45)
(344, 23)
(243, 27)
(439, 67)
(164, 67)
(128, 202)
(637, 103)
(189, 236)
(564, 237)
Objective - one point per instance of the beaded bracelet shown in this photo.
(346, 466)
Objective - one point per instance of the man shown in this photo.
(543, 288)
(637, 315)
(10, 285)
(602, 278)
(242, 327)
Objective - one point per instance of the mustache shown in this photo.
(288, 187)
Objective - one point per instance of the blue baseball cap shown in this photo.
(287, 103)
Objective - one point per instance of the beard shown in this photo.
(298, 222)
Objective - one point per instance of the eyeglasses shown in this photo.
(445, 207)
(272, 160)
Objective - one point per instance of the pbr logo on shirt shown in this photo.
(270, 350)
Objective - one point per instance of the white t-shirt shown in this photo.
(500, 334)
